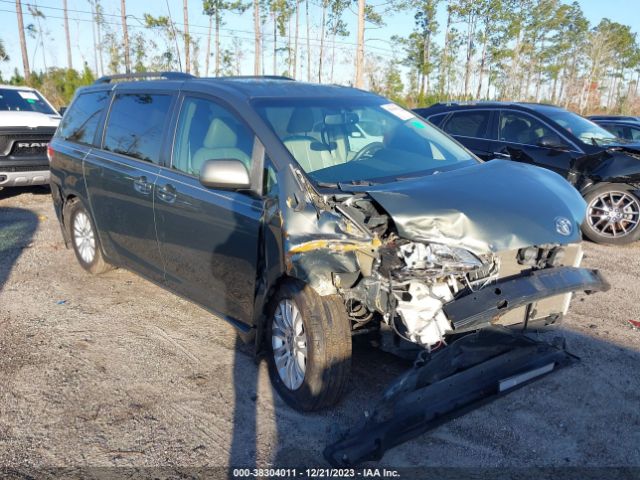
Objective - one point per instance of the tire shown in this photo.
(84, 240)
(327, 337)
(600, 227)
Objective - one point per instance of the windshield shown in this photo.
(584, 129)
(23, 101)
(350, 140)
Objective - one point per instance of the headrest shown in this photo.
(221, 134)
(301, 120)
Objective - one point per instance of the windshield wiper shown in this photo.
(358, 183)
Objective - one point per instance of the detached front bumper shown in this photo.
(471, 371)
(487, 305)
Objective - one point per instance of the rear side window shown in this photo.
(81, 120)
(136, 124)
(468, 124)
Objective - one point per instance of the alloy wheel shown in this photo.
(614, 214)
(83, 237)
(289, 342)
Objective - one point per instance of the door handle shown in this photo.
(501, 155)
(141, 185)
(167, 193)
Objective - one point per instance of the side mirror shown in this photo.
(61, 110)
(551, 142)
(228, 174)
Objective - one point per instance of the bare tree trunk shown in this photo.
(125, 35)
(467, 65)
(66, 33)
(187, 38)
(553, 88)
(483, 60)
(295, 44)
(95, 40)
(324, 19)
(275, 43)
(426, 45)
(257, 42)
(445, 52)
(217, 43)
(308, 41)
(23, 43)
(208, 55)
(360, 51)
(99, 32)
(333, 56)
(289, 56)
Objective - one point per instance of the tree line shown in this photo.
(517, 50)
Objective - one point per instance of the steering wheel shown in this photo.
(367, 150)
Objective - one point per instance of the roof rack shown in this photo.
(256, 77)
(144, 76)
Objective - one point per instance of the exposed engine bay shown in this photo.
(359, 253)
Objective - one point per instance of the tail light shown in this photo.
(49, 152)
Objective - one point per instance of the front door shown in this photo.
(520, 138)
(208, 237)
(121, 180)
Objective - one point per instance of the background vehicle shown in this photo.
(603, 168)
(627, 128)
(27, 123)
(247, 197)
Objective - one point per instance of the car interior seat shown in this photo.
(310, 153)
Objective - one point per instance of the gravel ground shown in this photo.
(112, 370)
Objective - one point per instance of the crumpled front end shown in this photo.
(494, 244)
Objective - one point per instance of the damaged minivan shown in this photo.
(306, 214)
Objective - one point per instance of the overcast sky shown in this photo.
(237, 26)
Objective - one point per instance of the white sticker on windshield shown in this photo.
(28, 95)
(398, 111)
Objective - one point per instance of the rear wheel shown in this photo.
(84, 239)
(309, 347)
(613, 215)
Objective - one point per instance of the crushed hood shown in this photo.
(28, 119)
(493, 206)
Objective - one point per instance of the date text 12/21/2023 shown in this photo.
(315, 473)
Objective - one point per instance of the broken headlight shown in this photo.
(421, 256)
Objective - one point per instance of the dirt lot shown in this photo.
(114, 371)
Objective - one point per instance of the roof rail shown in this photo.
(144, 76)
(256, 77)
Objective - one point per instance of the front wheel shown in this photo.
(309, 347)
(613, 215)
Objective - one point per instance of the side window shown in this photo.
(437, 119)
(136, 124)
(617, 130)
(521, 128)
(634, 133)
(208, 131)
(468, 124)
(81, 120)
